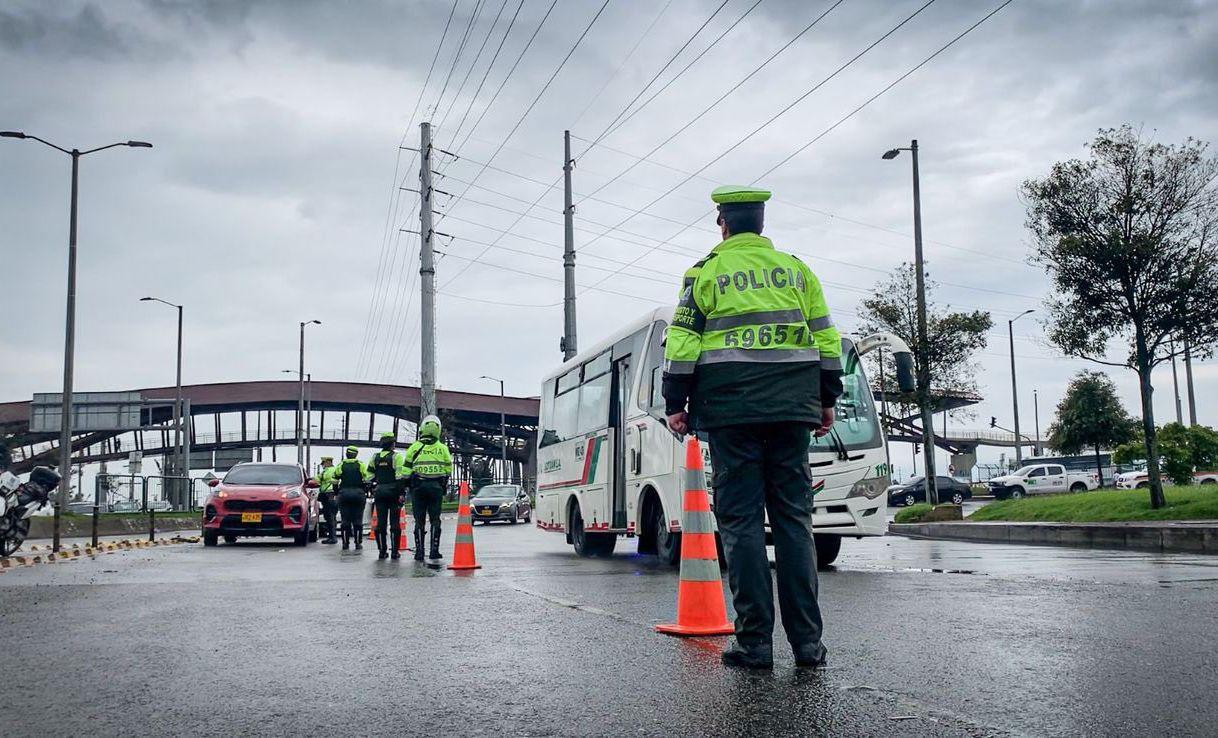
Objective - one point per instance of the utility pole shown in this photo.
(308, 423)
(1188, 380)
(427, 278)
(569, 340)
(300, 400)
(1015, 389)
(1036, 415)
(507, 478)
(1175, 385)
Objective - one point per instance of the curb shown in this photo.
(77, 551)
(1167, 537)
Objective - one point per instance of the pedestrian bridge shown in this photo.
(244, 415)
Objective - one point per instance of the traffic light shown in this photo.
(993, 421)
(917, 449)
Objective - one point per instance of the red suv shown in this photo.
(256, 499)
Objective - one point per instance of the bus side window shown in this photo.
(650, 397)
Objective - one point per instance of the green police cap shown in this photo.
(389, 436)
(352, 451)
(731, 194)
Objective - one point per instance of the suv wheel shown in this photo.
(957, 498)
(909, 500)
(1017, 493)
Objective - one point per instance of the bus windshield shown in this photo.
(856, 422)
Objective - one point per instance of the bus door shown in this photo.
(618, 398)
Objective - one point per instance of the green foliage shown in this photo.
(1128, 239)
(1090, 416)
(1186, 449)
(953, 338)
(1183, 503)
(913, 513)
(1129, 453)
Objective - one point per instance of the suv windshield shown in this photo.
(259, 474)
(497, 491)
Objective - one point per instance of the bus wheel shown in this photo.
(668, 543)
(827, 548)
(589, 544)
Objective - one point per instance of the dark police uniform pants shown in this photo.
(757, 469)
(425, 504)
(387, 507)
(351, 502)
(329, 511)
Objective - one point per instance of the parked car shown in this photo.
(257, 499)
(1040, 479)
(160, 505)
(913, 491)
(502, 502)
(82, 508)
(1140, 479)
(125, 506)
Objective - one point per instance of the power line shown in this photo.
(487, 73)
(465, 80)
(735, 87)
(772, 118)
(391, 210)
(473, 18)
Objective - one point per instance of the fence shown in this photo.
(135, 494)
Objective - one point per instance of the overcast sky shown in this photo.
(270, 196)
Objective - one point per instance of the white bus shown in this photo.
(607, 465)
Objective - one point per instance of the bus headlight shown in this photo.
(869, 488)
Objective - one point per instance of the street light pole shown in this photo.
(300, 401)
(1014, 388)
(502, 430)
(1036, 416)
(923, 349)
(69, 343)
(178, 446)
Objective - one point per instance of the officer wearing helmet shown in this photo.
(327, 495)
(753, 359)
(389, 471)
(353, 477)
(429, 465)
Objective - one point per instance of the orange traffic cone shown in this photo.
(700, 607)
(402, 539)
(372, 528)
(463, 548)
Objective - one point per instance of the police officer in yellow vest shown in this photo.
(353, 478)
(430, 465)
(327, 497)
(753, 359)
(390, 472)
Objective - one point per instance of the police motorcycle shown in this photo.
(18, 502)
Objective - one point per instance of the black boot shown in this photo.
(359, 538)
(418, 543)
(346, 538)
(810, 655)
(382, 552)
(754, 657)
(434, 553)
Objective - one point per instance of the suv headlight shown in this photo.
(869, 488)
(291, 494)
(506, 506)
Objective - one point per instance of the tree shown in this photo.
(1128, 239)
(953, 338)
(1091, 417)
(1182, 451)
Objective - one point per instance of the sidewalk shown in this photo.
(1200, 536)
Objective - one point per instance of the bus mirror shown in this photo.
(905, 371)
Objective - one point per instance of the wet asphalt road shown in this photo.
(267, 639)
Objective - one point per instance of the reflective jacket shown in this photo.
(751, 340)
(327, 478)
(429, 464)
(351, 473)
(389, 469)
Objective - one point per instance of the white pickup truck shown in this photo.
(1140, 479)
(1042, 479)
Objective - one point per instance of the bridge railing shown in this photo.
(330, 434)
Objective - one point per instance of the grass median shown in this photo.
(1105, 506)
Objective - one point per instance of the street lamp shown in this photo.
(308, 442)
(1014, 390)
(924, 399)
(502, 429)
(179, 449)
(69, 343)
(300, 403)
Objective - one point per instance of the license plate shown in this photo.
(487, 511)
(251, 517)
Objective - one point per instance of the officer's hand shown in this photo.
(679, 423)
(826, 422)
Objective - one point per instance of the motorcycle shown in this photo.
(19, 501)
